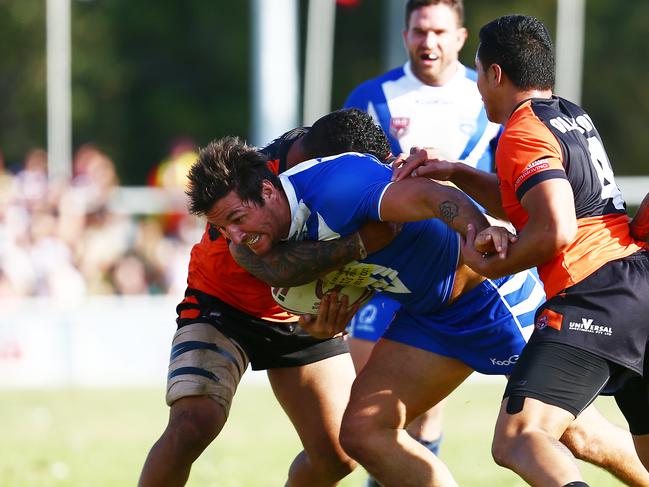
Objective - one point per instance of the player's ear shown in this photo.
(496, 73)
(267, 189)
(462, 34)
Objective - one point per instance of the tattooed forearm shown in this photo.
(295, 263)
(448, 210)
(457, 210)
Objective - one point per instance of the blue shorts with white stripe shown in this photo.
(486, 328)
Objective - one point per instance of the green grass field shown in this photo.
(101, 437)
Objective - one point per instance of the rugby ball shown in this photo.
(305, 299)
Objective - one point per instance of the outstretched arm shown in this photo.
(480, 185)
(421, 198)
(296, 263)
(550, 228)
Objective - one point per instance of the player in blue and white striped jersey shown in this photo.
(430, 101)
(433, 99)
(422, 267)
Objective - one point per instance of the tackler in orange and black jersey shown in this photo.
(593, 330)
(554, 138)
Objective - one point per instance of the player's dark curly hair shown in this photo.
(456, 5)
(226, 165)
(346, 130)
(522, 47)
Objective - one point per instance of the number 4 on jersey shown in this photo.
(604, 173)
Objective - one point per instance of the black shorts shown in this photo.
(267, 344)
(606, 314)
(571, 378)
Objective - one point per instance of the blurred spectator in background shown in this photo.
(130, 275)
(172, 171)
(62, 240)
(31, 184)
(95, 175)
(6, 182)
(171, 175)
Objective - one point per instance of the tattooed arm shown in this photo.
(420, 198)
(295, 263)
(480, 185)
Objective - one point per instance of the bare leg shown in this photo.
(641, 443)
(360, 350)
(528, 443)
(314, 397)
(397, 384)
(594, 439)
(428, 425)
(193, 423)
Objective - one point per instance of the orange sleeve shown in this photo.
(527, 154)
(527, 149)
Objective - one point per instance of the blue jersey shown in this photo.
(333, 196)
(450, 118)
(486, 328)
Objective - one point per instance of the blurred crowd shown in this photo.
(64, 239)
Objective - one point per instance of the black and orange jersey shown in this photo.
(554, 138)
(212, 269)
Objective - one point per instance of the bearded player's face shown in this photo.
(248, 223)
(433, 40)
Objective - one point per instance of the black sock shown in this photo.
(579, 483)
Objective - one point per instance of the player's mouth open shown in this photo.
(428, 57)
(252, 241)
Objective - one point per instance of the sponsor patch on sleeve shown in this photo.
(532, 168)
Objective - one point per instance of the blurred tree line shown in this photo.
(145, 73)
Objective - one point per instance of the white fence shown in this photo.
(101, 341)
(634, 188)
(97, 342)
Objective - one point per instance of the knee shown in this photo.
(504, 447)
(581, 444)
(356, 437)
(331, 465)
(194, 422)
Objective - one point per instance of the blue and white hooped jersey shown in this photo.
(450, 118)
(333, 196)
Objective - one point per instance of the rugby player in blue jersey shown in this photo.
(430, 101)
(452, 320)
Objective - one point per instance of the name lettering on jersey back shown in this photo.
(582, 124)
